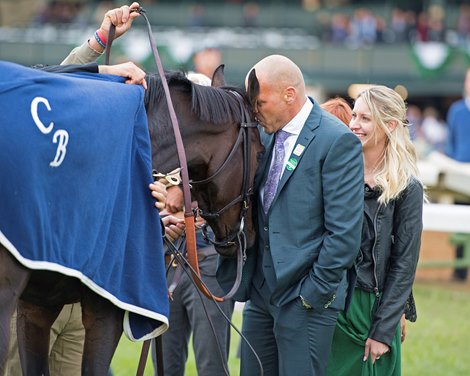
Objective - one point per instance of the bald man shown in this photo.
(295, 279)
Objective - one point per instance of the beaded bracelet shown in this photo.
(100, 38)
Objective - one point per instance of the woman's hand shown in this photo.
(375, 349)
(403, 328)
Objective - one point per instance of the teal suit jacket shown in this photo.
(313, 227)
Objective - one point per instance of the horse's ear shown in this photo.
(218, 78)
(253, 87)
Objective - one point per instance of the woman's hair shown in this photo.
(339, 108)
(398, 164)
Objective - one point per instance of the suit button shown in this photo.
(266, 246)
(265, 228)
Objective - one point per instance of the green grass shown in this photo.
(436, 345)
(126, 358)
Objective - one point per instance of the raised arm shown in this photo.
(92, 49)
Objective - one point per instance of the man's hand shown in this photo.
(128, 70)
(174, 200)
(121, 17)
(159, 193)
(174, 227)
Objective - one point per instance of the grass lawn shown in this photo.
(436, 345)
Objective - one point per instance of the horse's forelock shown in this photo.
(216, 105)
(211, 104)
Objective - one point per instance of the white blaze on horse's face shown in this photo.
(60, 137)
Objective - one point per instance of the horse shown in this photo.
(209, 119)
(218, 108)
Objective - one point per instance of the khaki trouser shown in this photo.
(66, 344)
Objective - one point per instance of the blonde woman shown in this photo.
(367, 339)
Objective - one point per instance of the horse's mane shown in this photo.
(211, 104)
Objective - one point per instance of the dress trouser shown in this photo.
(187, 316)
(66, 344)
(289, 340)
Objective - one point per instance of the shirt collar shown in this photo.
(296, 124)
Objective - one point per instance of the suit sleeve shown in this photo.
(342, 179)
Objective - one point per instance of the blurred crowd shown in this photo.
(428, 129)
(352, 26)
(364, 27)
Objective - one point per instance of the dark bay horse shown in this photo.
(209, 119)
(208, 142)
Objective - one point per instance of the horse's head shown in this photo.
(222, 146)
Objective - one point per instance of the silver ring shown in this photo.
(377, 358)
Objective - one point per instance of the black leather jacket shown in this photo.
(389, 255)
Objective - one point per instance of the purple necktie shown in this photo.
(275, 173)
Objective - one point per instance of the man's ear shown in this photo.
(218, 78)
(290, 95)
(252, 88)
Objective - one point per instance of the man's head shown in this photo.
(281, 91)
(207, 60)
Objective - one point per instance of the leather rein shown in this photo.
(246, 191)
(189, 217)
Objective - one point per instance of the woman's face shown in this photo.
(365, 127)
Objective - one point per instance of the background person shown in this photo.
(458, 148)
(295, 277)
(206, 60)
(338, 107)
(187, 313)
(367, 337)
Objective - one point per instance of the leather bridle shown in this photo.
(244, 138)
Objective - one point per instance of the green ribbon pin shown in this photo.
(291, 164)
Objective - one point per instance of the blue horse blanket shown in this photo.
(75, 164)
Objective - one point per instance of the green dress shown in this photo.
(350, 338)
